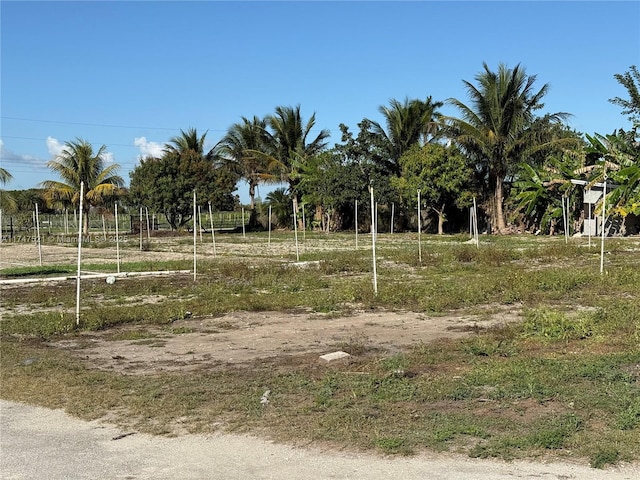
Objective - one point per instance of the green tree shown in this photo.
(499, 127)
(166, 184)
(281, 207)
(76, 164)
(289, 145)
(7, 200)
(617, 158)
(540, 191)
(631, 81)
(406, 124)
(245, 149)
(443, 176)
(332, 184)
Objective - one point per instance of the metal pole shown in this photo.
(79, 256)
(140, 227)
(200, 222)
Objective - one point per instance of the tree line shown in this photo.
(517, 163)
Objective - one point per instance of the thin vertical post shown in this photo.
(604, 208)
(419, 229)
(148, 229)
(269, 225)
(589, 223)
(140, 227)
(373, 243)
(393, 212)
(104, 229)
(200, 222)
(243, 229)
(356, 223)
(117, 240)
(304, 225)
(38, 235)
(79, 256)
(295, 229)
(194, 236)
(475, 223)
(213, 235)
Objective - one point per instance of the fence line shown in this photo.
(18, 226)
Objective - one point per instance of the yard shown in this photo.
(516, 348)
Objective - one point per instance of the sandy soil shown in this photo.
(242, 337)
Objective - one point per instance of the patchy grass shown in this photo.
(565, 381)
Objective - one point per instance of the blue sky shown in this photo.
(131, 75)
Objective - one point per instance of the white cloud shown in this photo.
(147, 148)
(54, 146)
(11, 159)
(108, 157)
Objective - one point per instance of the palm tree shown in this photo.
(76, 164)
(243, 150)
(7, 201)
(189, 146)
(5, 176)
(288, 144)
(407, 123)
(497, 127)
(280, 203)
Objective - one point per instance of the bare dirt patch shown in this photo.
(244, 337)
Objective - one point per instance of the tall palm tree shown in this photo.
(289, 146)
(76, 164)
(496, 127)
(243, 149)
(407, 123)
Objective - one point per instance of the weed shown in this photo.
(604, 456)
(394, 446)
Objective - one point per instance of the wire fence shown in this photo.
(22, 226)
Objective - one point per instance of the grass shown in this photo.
(565, 381)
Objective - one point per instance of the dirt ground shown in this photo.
(243, 337)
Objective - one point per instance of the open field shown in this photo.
(516, 349)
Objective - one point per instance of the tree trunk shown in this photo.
(85, 221)
(441, 219)
(498, 220)
(252, 195)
